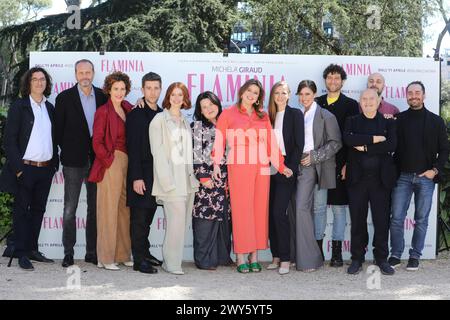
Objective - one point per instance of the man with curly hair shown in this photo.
(32, 160)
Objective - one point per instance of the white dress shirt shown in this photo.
(279, 130)
(309, 119)
(40, 145)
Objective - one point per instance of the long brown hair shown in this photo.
(186, 101)
(273, 108)
(258, 105)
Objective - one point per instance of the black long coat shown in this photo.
(343, 108)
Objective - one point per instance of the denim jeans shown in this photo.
(423, 189)
(73, 179)
(320, 216)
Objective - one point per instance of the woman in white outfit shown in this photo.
(174, 183)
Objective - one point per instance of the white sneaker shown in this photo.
(128, 263)
(282, 271)
(111, 266)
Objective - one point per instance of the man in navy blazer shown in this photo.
(32, 160)
(74, 120)
(140, 173)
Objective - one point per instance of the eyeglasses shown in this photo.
(34, 80)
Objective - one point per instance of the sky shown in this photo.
(432, 31)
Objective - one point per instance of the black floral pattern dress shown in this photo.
(209, 203)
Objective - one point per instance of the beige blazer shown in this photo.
(171, 147)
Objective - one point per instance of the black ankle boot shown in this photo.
(336, 255)
(320, 244)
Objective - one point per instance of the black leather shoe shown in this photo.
(386, 268)
(154, 262)
(25, 264)
(68, 261)
(145, 267)
(355, 267)
(90, 258)
(39, 257)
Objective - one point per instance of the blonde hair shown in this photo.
(273, 108)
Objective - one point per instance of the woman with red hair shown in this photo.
(109, 171)
(174, 184)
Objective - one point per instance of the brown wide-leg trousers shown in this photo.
(113, 215)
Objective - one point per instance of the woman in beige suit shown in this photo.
(174, 183)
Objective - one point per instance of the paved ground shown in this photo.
(49, 281)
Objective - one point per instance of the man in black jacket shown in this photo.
(371, 175)
(74, 118)
(140, 174)
(32, 160)
(421, 154)
(341, 107)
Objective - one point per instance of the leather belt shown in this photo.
(37, 164)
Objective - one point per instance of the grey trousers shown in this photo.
(73, 180)
(307, 253)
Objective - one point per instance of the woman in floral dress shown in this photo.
(211, 211)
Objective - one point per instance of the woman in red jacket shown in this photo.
(109, 171)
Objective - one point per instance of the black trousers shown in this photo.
(212, 243)
(369, 190)
(279, 225)
(29, 207)
(140, 222)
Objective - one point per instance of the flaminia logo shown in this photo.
(122, 65)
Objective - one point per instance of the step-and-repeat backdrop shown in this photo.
(224, 76)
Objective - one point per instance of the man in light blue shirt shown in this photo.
(74, 117)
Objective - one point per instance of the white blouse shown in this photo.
(279, 130)
(309, 119)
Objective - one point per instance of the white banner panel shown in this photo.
(224, 76)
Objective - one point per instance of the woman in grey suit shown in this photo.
(316, 170)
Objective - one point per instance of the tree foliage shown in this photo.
(116, 25)
(19, 11)
(296, 26)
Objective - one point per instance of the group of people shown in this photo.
(239, 173)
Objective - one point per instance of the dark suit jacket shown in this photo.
(343, 108)
(353, 136)
(294, 140)
(71, 127)
(19, 125)
(435, 142)
(140, 159)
